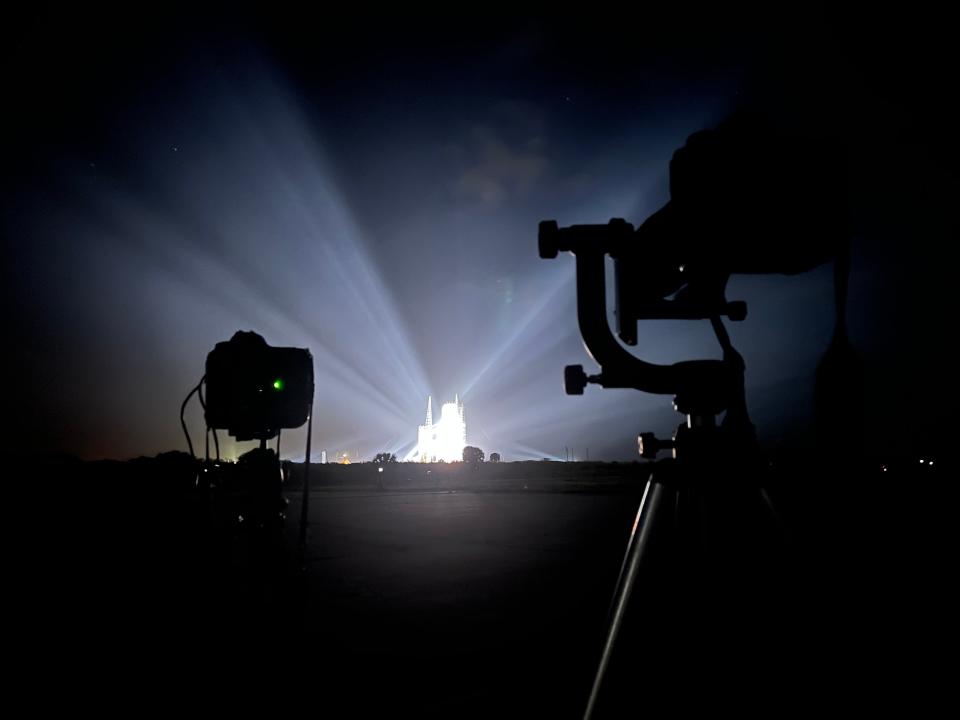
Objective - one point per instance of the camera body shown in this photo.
(254, 390)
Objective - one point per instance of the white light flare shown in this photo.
(442, 441)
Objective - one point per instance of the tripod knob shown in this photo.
(737, 311)
(548, 239)
(574, 379)
(649, 445)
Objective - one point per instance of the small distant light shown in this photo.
(930, 463)
(380, 469)
(922, 461)
(278, 384)
(884, 468)
(240, 518)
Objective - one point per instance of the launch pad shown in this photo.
(444, 440)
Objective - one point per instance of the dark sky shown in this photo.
(369, 186)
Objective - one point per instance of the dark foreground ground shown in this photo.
(487, 596)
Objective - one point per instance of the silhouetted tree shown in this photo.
(472, 454)
(382, 458)
(494, 457)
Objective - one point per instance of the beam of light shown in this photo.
(244, 228)
(223, 212)
(561, 279)
(518, 451)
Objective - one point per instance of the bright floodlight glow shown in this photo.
(444, 440)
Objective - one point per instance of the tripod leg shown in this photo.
(653, 497)
(626, 554)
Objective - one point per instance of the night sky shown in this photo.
(370, 187)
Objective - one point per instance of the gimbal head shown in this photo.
(701, 387)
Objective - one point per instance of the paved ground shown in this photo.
(464, 599)
(484, 604)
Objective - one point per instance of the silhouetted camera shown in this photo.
(254, 390)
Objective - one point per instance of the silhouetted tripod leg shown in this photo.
(627, 553)
(653, 500)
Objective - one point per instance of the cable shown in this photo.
(305, 502)
(203, 404)
(206, 434)
(183, 423)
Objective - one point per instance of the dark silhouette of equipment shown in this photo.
(254, 391)
(744, 198)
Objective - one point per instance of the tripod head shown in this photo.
(731, 189)
(701, 386)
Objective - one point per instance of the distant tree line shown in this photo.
(471, 454)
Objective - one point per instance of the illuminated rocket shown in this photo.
(444, 440)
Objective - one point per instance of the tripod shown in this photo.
(702, 390)
(671, 501)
